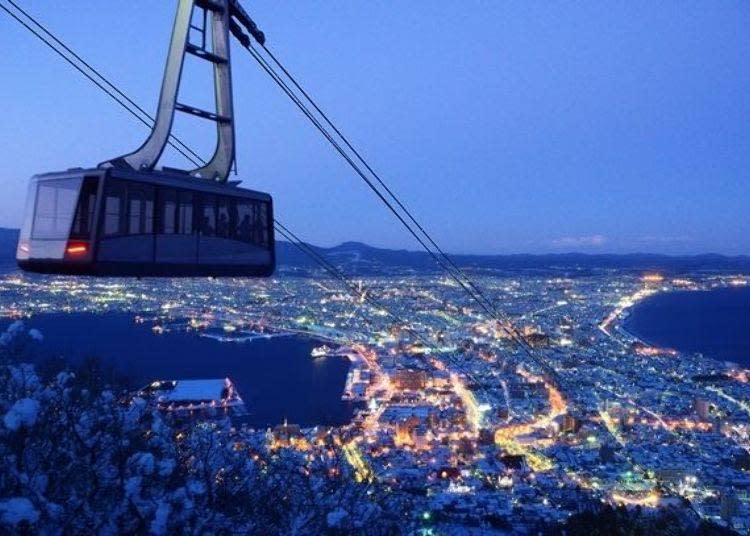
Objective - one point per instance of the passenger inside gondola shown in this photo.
(222, 226)
(207, 229)
(246, 229)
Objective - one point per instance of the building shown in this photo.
(702, 408)
(570, 424)
(204, 398)
(410, 380)
(285, 435)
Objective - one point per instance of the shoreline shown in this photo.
(175, 356)
(623, 325)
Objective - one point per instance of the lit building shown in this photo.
(286, 434)
(410, 380)
(210, 398)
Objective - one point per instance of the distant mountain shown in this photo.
(8, 242)
(359, 258)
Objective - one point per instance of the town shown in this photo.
(451, 409)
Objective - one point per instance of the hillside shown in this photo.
(358, 258)
(361, 258)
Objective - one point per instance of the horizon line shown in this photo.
(514, 254)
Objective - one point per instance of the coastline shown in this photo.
(705, 343)
(282, 358)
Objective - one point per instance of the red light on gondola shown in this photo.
(77, 248)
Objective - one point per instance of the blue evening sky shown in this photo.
(520, 126)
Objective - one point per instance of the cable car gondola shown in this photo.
(125, 223)
(127, 218)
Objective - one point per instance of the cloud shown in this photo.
(593, 241)
(656, 239)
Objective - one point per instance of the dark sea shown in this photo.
(715, 323)
(276, 377)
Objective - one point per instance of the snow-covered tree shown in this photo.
(82, 457)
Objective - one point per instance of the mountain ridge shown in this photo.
(360, 258)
